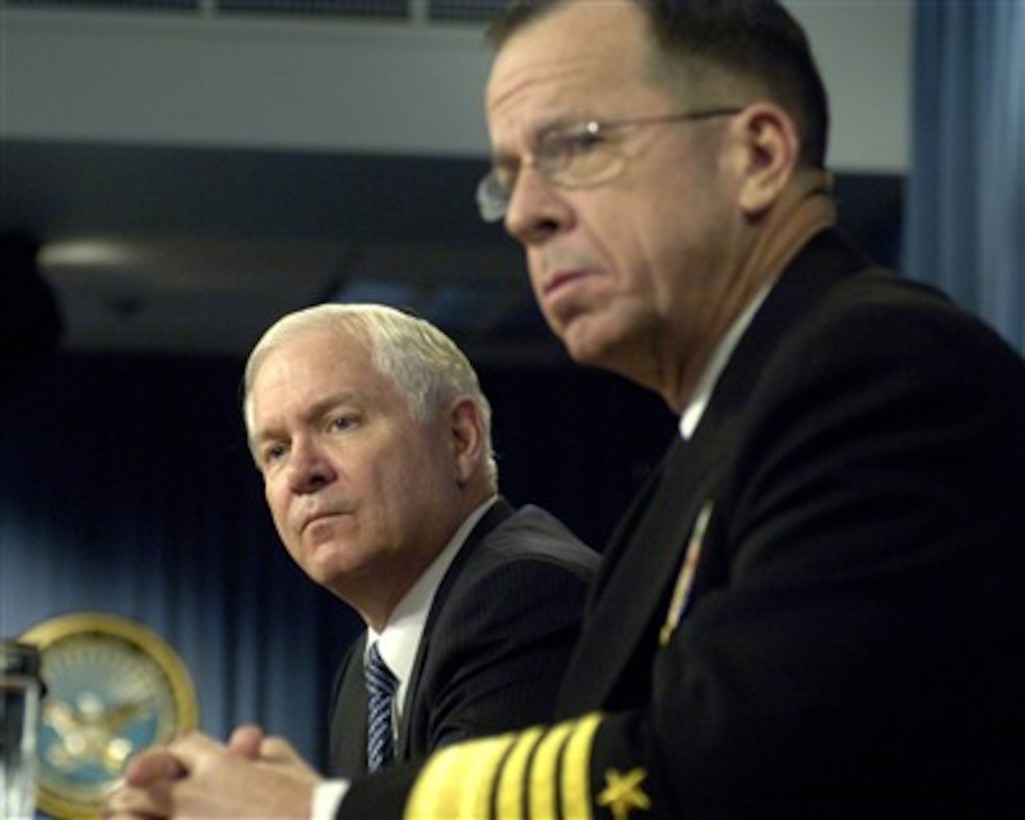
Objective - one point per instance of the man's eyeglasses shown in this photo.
(570, 156)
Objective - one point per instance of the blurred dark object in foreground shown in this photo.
(31, 326)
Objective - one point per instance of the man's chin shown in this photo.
(321, 548)
(584, 345)
(322, 566)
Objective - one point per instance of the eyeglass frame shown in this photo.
(565, 142)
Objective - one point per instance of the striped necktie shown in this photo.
(381, 686)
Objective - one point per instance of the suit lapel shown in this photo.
(499, 512)
(631, 603)
(349, 718)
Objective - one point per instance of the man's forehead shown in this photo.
(319, 357)
(566, 62)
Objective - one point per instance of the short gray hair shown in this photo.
(419, 359)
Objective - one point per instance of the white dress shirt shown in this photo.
(695, 408)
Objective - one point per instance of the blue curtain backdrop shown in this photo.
(965, 219)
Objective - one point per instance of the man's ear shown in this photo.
(768, 146)
(466, 430)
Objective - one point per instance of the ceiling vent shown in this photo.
(411, 11)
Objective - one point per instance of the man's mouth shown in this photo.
(560, 280)
(318, 518)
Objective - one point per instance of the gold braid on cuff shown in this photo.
(539, 772)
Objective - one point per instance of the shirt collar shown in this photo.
(695, 408)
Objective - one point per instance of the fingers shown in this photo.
(178, 758)
(193, 747)
(146, 792)
(149, 767)
(195, 776)
(278, 750)
(131, 803)
(246, 741)
(250, 742)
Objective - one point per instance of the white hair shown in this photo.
(424, 363)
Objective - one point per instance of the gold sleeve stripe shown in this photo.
(510, 796)
(457, 781)
(532, 773)
(544, 796)
(575, 777)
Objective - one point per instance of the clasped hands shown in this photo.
(196, 776)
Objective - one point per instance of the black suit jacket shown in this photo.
(848, 642)
(494, 646)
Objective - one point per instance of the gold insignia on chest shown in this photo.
(685, 580)
(623, 793)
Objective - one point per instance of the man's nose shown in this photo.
(309, 468)
(537, 209)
